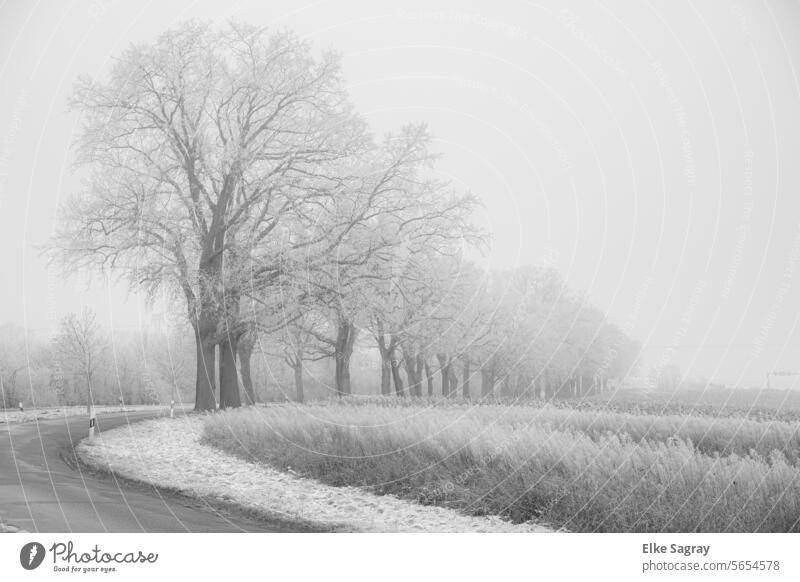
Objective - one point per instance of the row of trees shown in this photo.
(442, 327)
(516, 334)
(229, 171)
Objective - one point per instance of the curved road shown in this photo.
(44, 489)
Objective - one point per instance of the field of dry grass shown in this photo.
(582, 470)
(757, 404)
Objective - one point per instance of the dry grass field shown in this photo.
(759, 404)
(581, 469)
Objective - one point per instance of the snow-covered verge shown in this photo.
(8, 528)
(11, 416)
(168, 453)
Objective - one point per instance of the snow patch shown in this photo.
(168, 453)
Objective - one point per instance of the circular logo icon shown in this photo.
(31, 555)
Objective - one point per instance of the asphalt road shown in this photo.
(44, 489)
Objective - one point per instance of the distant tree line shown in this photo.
(83, 364)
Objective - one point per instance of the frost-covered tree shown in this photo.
(197, 147)
(78, 345)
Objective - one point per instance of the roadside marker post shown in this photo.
(92, 422)
(172, 409)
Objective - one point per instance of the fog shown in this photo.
(645, 150)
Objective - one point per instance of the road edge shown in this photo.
(73, 459)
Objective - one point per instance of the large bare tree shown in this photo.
(198, 148)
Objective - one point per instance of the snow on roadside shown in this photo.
(13, 416)
(167, 453)
(8, 528)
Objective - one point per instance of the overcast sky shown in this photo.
(649, 150)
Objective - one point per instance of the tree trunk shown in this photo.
(345, 339)
(398, 379)
(429, 376)
(205, 386)
(338, 376)
(386, 365)
(414, 379)
(420, 360)
(245, 352)
(444, 370)
(298, 382)
(204, 317)
(386, 377)
(465, 385)
(228, 376)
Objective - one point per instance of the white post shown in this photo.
(92, 422)
(172, 409)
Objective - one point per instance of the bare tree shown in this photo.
(298, 342)
(403, 313)
(394, 210)
(301, 346)
(539, 338)
(13, 360)
(79, 343)
(199, 143)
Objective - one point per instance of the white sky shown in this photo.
(648, 149)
